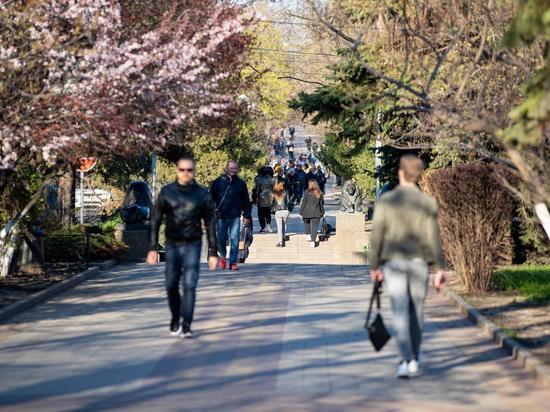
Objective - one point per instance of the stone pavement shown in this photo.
(270, 338)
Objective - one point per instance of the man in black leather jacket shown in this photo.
(230, 193)
(185, 205)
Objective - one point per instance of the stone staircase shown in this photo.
(296, 250)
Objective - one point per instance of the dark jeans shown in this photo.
(182, 259)
(231, 227)
(311, 226)
(264, 216)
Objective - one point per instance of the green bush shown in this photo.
(532, 281)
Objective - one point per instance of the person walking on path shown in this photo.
(280, 203)
(321, 178)
(261, 195)
(230, 194)
(185, 205)
(301, 178)
(405, 239)
(312, 210)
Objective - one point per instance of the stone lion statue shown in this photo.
(351, 200)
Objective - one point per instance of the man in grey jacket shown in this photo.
(405, 240)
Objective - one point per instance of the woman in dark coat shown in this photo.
(312, 210)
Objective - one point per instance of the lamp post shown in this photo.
(378, 158)
(154, 175)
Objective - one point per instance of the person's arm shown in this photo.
(155, 222)
(209, 217)
(377, 236)
(246, 206)
(303, 205)
(322, 204)
(214, 191)
(435, 240)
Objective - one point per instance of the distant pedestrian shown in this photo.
(292, 184)
(312, 210)
(280, 204)
(405, 239)
(311, 174)
(321, 178)
(261, 196)
(231, 196)
(301, 180)
(186, 206)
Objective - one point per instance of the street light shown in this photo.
(378, 158)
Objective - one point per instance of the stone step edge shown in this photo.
(516, 350)
(52, 291)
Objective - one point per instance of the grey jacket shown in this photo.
(312, 207)
(405, 227)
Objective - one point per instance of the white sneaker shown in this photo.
(176, 332)
(312, 244)
(308, 238)
(402, 370)
(269, 229)
(413, 368)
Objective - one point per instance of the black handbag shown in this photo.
(378, 333)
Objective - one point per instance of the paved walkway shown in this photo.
(270, 338)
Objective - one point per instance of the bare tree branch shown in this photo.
(301, 80)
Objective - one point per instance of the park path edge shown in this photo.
(517, 351)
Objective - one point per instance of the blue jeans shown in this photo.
(231, 227)
(407, 284)
(182, 259)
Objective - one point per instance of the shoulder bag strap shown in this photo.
(375, 293)
(224, 195)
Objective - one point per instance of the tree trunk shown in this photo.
(66, 197)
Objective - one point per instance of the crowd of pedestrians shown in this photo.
(405, 235)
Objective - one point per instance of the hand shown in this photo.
(212, 262)
(439, 280)
(152, 257)
(376, 275)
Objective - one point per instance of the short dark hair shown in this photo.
(184, 157)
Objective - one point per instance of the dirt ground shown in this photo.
(18, 286)
(527, 322)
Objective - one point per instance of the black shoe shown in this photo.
(186, 332)
(262, 231)
(175, 327)
(281, 244)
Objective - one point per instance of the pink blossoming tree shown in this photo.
(97, 77)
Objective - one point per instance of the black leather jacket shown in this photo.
(184, 207)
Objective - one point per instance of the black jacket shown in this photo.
(280, 204)
(312, 207)
(184, 207)
(262, 190)
(236, 200)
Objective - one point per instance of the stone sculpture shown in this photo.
(351, 200)
(137, 204)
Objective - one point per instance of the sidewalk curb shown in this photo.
(519, 353)
(52, 291)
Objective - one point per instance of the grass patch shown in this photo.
(532, 281)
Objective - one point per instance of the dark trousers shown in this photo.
(182, 259)
(311, 226)
(264, 216)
